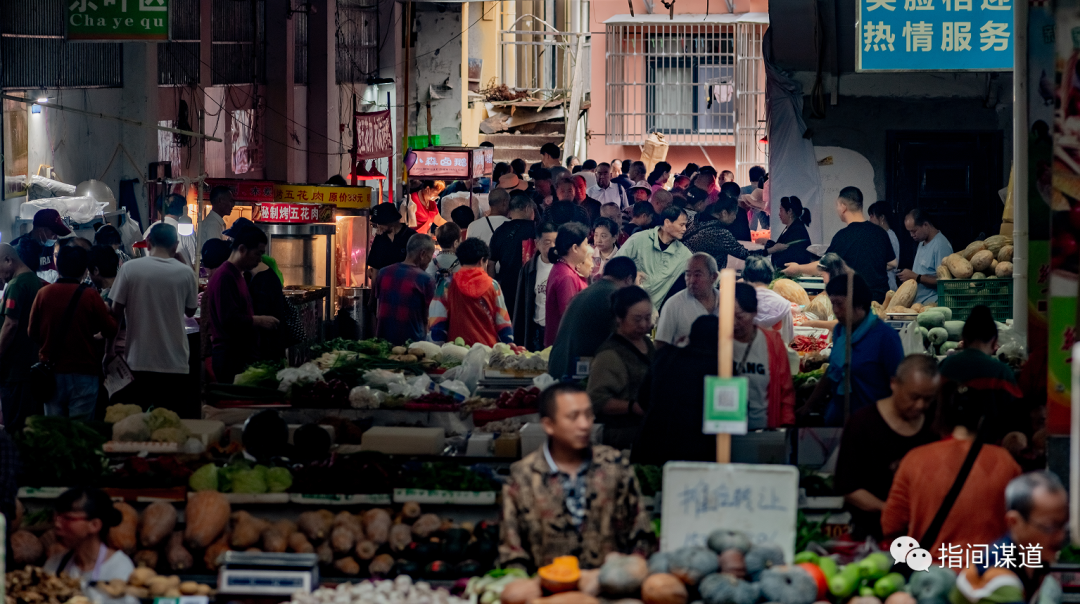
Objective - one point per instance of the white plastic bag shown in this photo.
(472, 368)
(454, 388)
(543, 381)
(414, 387)
(76, 209)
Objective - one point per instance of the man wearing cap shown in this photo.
(639, 193)
(48, 227)
(391, 239)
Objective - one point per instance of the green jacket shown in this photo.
(661, 267)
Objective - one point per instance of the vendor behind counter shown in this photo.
(83, 519)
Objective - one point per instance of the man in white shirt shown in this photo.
(605, 191)
(154, 294)
(933, 248)
(221, 205)
(699, 298)
(484, 227)
(174, 209)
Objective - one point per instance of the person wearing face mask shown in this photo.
(618, 370)
(570, 250)
(48, 227)
(530, 300)
(391, 238)
(422, 205)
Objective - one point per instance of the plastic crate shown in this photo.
(961, 295)
(423, 142)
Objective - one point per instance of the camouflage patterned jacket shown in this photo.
(536, 526)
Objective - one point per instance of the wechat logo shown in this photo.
(906, 550)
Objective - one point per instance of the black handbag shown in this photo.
(43, 373)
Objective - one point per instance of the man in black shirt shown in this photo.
(506, 245)
(741, 227)
(392, 237)
(865, 247)
(877, 437)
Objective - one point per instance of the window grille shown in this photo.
(750, 150)
(357, 40)
(678, 77)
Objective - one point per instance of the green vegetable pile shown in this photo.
(57, 451)
(373, 347)
(651, 479)
(444, 476)
(808, 377)
(261, 375)
(241, 477)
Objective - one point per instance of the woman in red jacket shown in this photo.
(423, 205)
(571, 249)
(761, 356)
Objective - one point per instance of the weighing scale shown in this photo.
(268, 574)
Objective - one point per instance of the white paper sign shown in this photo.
(759, 500)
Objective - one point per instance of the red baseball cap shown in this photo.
(51, 220)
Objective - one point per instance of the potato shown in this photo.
(399, 350)
(189, 588)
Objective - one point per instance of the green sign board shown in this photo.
(725, 405)
(113, 20)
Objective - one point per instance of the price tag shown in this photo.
(725, 405)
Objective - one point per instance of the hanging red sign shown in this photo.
(442, 164)
(252, 191)
(373, 136)
(289, 213)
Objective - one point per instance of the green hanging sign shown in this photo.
(725, 405)
(117, 20)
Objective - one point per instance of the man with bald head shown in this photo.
(877, 437)
(17, 351)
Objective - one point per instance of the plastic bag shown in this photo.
(129, 231)
(454, 388)
(364, 397)
(543, 381)
(382, 378)
(414, 387)
(472, 368)
(78, 210)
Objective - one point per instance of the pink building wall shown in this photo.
(722, 157)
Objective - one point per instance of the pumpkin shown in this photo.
(561, 575)
(788, 585)
(733, 562)
(1005, 254)
(157, 523)
(122, 536)
(27, 548)
(570, 597)
(761, 557)
(905, 295)
(791, 291)
(206, 516)
(721, 588)
(1004, 269)
(721, 540)
(621, 576)
(658, 562)
(247, 530)
(521, 591)
(819, 578)
(981, 260)
(176, 554)
(315, 525)
(691, 564)
(973, 248)
(958, 266)
(663, 588)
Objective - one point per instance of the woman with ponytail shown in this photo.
(570, 251)
(794, 238)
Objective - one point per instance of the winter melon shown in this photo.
(955, 329)
(944, 310)
(931, 319)
(947, 346)
(938, 336)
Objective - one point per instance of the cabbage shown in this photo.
(162, 418)
(278, 480)
(204, 479)
(249, 481)
(115, 413)
(431, 350)
(452, 352)
(132, 428)
(170, 435)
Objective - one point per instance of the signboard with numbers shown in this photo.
(112, 20)
(758, 500)
(342, 197)
(935, 35)
(725, 405)
(288, 213)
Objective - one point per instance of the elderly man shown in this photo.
(699, 298)
(877, 437)
(605, 191)
(1037, 515)
(404, 291)
(570, 498)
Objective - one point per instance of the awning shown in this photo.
(689, 19)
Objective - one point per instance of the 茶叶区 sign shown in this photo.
(935, 35)
(342, 197)
(112, 20)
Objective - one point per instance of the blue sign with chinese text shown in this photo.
(935, 35)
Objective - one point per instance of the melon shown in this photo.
(791, 291)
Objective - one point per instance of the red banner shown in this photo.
(289, 213)
(372, 135)
(253, 191)
(442, 164)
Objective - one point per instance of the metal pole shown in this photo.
(198, 194)
(1020, 171)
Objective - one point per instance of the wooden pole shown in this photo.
(724, 353)
(848, 306)
(576, 86)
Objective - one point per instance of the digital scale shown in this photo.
(268, 574)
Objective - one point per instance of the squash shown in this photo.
(938, 336)
(955, 329)
(905, 295)
(958, 266)
(889, 295)
(820, 307)
(366, 550)
(690, 564)
(122, 536)
(273, 542)
(973, 248)
(426, 525)
(176, 554)
(621, 576)
(521, 591)
(146, 557)
(325, 554)
(994, 243)
(247, 530)
(298, 543)
(722, 540)
(819, 578)
(216, 551)
(982, 260)
(720, 588)
(342, 538)
(570, 597)
(400, 537)
(26, 548)
(1006, 254)
(315, 525)
(157, 523)
(978, 275)
(733, 562)
(381, 565)
(763, 556)
(789, 585)
(944, 310)
(561, 575)
(791, 291)
(943, 272)
(658, 562)
(377, 523)
(1004, 269)
(929, 320)
(206, 516)
(347, 566)
(663, 588)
